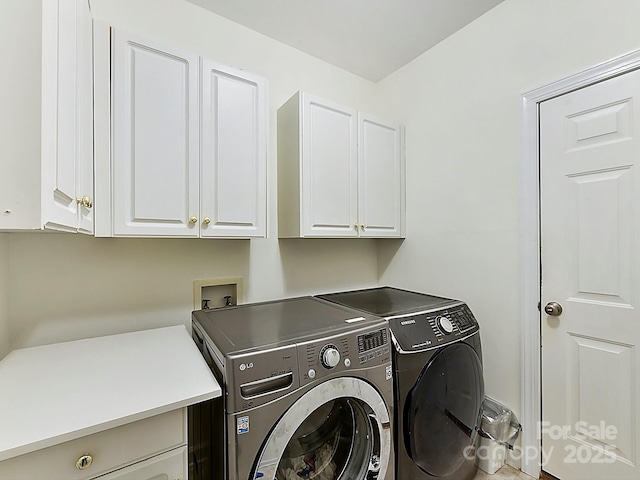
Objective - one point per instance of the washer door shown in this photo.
(339, 430)
(443, 410)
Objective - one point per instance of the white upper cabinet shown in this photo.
(188, 145)
(317, 168)
(340, 172)
(48, 159)
(234, 152)
(155, 164)
(381, 178)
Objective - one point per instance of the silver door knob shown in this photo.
(553, 308)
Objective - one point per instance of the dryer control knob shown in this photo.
(330, 356)
(445, 325)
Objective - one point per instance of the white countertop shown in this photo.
(56, 393)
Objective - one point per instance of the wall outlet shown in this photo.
(217, 292)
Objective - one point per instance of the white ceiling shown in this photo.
(371, 38)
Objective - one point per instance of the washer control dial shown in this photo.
(445, 325)
(329, 356)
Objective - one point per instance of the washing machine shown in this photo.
(307, 393)
(438, 380)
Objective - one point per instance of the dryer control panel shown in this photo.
(415, 332)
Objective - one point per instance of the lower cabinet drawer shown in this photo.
(171, 465)
(109, 450)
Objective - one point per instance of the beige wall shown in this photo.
(72, 286)
(461, 105)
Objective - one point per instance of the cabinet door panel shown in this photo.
(380, 180)
(329, 169)
(59, 117)
(84, 70)
(233, 183)
(155, 115)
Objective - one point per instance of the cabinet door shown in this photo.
(170, 465)
(329, 169)
(155, 139)
(66, 115)
(234, 154)
(380, 178)
(84, 152)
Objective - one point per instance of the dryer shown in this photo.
(307, 392)
(438, 380)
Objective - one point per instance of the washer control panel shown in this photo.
(362, 348)
(372, 345)
(431, 329)
(329, 356)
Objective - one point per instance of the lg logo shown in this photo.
(244, 366)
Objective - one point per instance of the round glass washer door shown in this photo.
(339, 430)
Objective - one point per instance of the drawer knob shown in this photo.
(84, 462)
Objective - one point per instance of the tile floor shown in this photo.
(505, 473)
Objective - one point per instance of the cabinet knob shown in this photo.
(85, 201)
(84, 462)
(193, 220)
(206, 220)
(363, 226)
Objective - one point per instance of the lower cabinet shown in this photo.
(146, 449)
(167, 465)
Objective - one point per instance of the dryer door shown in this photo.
(339, 430)
(443, 410)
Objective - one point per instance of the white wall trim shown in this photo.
(530, 244)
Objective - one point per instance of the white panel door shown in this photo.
(329, 169)
(590, 219)
(380, 178)
(155, 164)
(234, 153)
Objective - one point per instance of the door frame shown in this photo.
(530, 281)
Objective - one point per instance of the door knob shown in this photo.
(553, 308)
